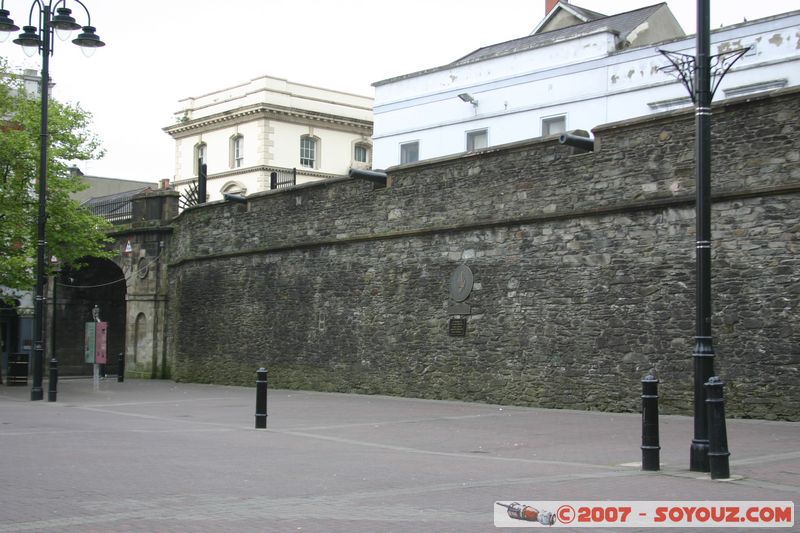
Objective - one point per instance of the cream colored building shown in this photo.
(269, 128)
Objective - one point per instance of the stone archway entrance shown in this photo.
(136, 307)
(101, 283)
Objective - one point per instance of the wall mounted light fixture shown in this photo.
(466, 97)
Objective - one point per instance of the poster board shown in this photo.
(95, 342)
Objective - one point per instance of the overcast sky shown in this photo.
(158, 52)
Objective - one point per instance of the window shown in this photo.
(477, 139)
(308, 152)
(554, 125)
(199, 156)
(236, 151)
(361, 153)
(409, 152)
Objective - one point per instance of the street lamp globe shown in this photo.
(64, 23)
(29, 40)
(88, 41)
(6, 25)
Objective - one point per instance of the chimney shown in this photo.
(550, 4)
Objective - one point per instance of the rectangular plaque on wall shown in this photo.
(459, 308)
(457, 327)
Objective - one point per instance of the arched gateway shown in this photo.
(129, 289)
(101, 283)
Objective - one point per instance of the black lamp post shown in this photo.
(696, 74)
(703, 355)
(35, 39)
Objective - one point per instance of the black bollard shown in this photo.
(261, 398)
(52, 387)
(651, 450)
(717, 432)
(121, 367)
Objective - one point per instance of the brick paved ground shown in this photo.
(155, 456)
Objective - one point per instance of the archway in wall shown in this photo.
(100, 283)
(141, 340)
(9, 333)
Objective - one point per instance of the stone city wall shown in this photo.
(583, 268)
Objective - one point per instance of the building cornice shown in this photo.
(265, 111)
(195, 107)
(258, 88)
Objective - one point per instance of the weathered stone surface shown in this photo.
(583, 268)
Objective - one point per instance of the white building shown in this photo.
(246, 133)
(576, 70)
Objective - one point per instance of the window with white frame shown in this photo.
(199, 156)
(409, 152)
(308, 152)
(361, 153)
(477, 139)
(236, 151)
(554, 125)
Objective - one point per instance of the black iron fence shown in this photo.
(283, 178)
(115, 211)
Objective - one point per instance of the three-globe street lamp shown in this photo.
(37, 36)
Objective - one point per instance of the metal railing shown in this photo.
(283, 178)
(115, 211)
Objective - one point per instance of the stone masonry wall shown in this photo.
(583, 267)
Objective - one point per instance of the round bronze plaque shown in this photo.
(461, 283)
